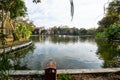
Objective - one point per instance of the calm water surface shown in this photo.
(70, 52)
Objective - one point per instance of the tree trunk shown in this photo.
(2, 25)
(15, 37)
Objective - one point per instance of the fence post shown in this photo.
(50, 71)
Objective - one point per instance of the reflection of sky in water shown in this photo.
(75, 55)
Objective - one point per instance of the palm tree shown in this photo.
(10, 10)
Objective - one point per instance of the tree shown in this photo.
(113, 32)
(112, 15)
(11, 9)
(22, 32)
(109, 25)
(114, 8)
(17, 9)
(91, 31)
(29, 24)
(82, 31)
(107, 21)
(4, 7)
(108, 52)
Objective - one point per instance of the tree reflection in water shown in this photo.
(95, 53)
(15, 58)
(109, 52)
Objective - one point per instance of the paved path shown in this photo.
(66, 71)
(16, 47)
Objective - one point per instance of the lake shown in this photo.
(70, 52)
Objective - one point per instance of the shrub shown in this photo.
(113, 32)
(64, 77)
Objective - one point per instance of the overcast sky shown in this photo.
(51, 13)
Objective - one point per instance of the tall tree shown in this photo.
(112, 15)
(110, 24)
(18, 9)
(4, 7)
(10, 10)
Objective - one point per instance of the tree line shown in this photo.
(11, 12)
(64, 30)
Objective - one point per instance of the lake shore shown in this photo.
(15, 46)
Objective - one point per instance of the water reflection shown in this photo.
(90, 39)
(109, 52)
(38, 38)
(16, 57)
(64, 39)
(70, 52)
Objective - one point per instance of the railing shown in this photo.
(51, 72)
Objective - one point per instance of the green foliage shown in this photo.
(26, 33)
(100, 35)
(112, 14)
(22, 31)
(107, 21)
(82, 31)
(4, 66)
(113, 32)
(15, 36)
(109, 52)
(109, 25)
(91, 31)
(114, 8)
(17, 9)
(64, 30)
(3, 60)
(3, 35)
(3, 38)
(11, 9)
(64, 77)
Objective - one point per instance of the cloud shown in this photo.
(57, 12)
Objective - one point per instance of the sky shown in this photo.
(51, 13)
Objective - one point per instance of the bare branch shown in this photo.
(105, 5)
(72, 9)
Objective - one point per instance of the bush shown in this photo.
(64, 77)
(113, 32)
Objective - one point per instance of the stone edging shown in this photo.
(66, 71)
(16, 47)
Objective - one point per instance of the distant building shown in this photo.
(38, 30)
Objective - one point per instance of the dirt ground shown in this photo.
(105, 76)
